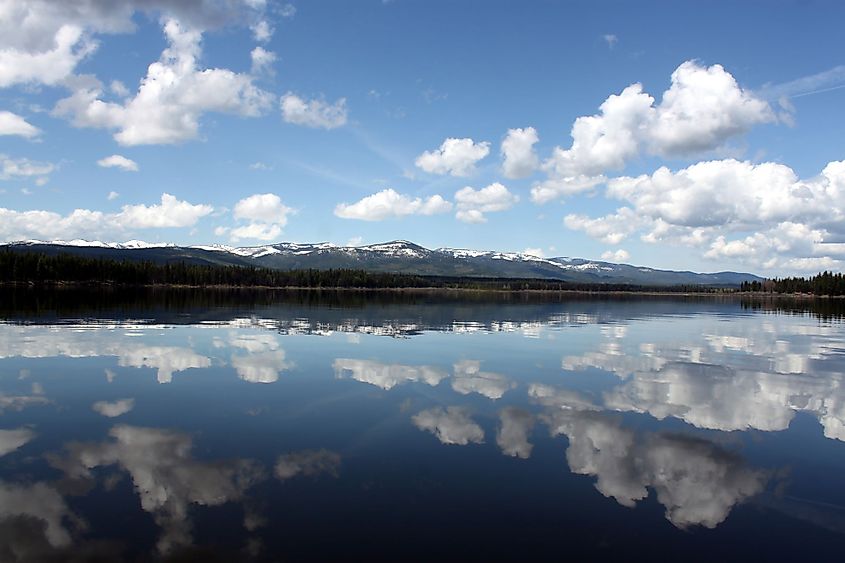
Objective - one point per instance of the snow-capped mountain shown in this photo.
(398, 256)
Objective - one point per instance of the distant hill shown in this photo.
(397, 256)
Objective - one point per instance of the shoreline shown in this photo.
(715, 292)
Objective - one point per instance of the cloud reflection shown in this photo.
(166, 477)
(11, 440)
(387, 376)
(696, 481)
(451, 425)
(512, 436)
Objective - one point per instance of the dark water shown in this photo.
(290, 426)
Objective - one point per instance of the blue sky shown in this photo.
(695, 135)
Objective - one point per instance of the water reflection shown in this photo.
(557, 404)
(696, 481)
(451, 425)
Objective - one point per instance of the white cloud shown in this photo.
(50, 66)
(267, 208)
(256, 231)
(14, 124)
(85, 223)
(316, 113)
(171, 213)
(619, 255)
(118, 161)
(703, 108)
(287, 10)
(755, 214)
(610, 229)
(519, 158)
(12, 168)
(389, 203)
(119, 88)
(610, 39)
(262, 31)
(558, 187)
(266, 213)
(455, 156)
(170, 99)
(262, 60)
(112, 196)
(451, 426)
(538, 252)
(42, 42)
(473, 204)
(113, 409)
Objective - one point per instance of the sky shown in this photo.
(685, 135)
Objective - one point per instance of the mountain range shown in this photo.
(398, 256)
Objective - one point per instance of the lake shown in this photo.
(265, 426)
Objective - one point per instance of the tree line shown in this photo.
(825, 283)
(37, 268)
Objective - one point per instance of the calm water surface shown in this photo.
(293, 426)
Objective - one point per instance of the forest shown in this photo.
(41, 269)
(825, 283)
(37, 268)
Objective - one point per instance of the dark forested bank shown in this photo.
(825, 283)
(40, 269)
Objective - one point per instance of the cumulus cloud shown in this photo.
(118, 161)
(618, 255)
(170, 99)
(308, 463)
(267, 208)
(756, 214)
(267, 217)
(518, 156)
(387, 376)
(14, 124)
(389, 203)
(262, 60)
(703, 109)
(473, 204)
(610, 229)
(171, 212)
(451, 425)
(23, 168)
(455, 156)
(113, 409)
(42, 42)
(85, 223)
(315, 113)
(50, 66)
